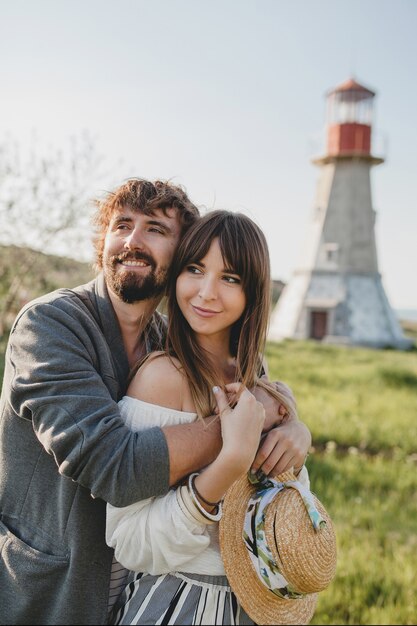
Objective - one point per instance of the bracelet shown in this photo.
(188, 507)
(213, 517)
(196, 510)
(198, 494)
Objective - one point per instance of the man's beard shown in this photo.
(130, 286)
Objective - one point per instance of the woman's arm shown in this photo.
(241, 432)
(157, 535)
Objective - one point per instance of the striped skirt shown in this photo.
(178, 598)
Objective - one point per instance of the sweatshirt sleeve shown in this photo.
(56, 383)
(138, 534)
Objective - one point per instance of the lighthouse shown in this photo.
(336, 293)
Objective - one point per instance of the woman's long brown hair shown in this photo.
(245, 252)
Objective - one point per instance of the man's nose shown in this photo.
(134, 241)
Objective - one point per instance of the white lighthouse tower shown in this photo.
(336, 294)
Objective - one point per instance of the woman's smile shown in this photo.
(203, 312)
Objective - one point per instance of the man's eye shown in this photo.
(121, 226)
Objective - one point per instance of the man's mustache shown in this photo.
(133, 256)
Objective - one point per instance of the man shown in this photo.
(65, 450)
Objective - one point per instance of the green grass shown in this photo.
(373, 503)
(361, 406)
(353, 396)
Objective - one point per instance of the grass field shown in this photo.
(361, 407)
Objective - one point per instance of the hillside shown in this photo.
(58, 269)
(26, 274)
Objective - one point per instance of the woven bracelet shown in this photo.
(198, 494)
(213, 517)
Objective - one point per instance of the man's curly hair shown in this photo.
(142, 196)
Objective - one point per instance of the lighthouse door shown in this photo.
(318, 324)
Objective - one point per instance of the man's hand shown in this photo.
(283, 447)
(275, 412)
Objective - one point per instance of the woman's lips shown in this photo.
(204, 312)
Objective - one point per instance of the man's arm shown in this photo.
(52, 379)
(192, 446)
(286, 444)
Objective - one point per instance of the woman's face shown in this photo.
(210, 295)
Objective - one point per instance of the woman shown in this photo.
(218, 310)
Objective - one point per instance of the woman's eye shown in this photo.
(232, 279)
(193, 269)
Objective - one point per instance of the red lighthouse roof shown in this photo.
(352, 85)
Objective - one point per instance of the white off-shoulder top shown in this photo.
(156, 536)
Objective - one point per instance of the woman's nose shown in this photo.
(208, 289)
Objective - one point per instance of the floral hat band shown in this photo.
(254, 536)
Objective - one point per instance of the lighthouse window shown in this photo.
(350, 107)
(332, 252)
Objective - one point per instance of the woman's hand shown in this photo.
(241, 426)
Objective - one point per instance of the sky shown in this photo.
(224, 97)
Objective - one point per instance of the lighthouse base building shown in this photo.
(336, 308)
(336, 294)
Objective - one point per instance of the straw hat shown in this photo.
(305, 557)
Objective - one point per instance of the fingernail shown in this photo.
(215, 389)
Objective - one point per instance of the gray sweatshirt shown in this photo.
(64, 452)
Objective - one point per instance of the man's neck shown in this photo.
(133, 319)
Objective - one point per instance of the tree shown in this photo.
(44, 206)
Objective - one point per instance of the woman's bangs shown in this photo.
(237, 254)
